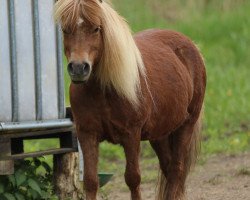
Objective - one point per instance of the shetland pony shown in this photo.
(126, 89)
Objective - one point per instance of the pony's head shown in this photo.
(81, 26)
(98, 44)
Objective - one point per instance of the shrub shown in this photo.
(32, 180)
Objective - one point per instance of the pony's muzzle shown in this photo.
(79, 72)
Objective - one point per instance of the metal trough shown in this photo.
(31, 68)
(32, 83)
(31, 80)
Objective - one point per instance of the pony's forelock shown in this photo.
(68, 12)
(121, 63)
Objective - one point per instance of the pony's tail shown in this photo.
(192, 155)
(196, 140)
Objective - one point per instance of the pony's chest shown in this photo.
(115, 130)
(112, 131)
(118, 125)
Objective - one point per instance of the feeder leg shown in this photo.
(6, 166)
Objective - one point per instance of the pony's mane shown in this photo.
(121, 63)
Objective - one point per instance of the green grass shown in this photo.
(223, 39)
(221, 29)
(222, 32)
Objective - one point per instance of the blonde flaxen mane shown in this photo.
(121, 64)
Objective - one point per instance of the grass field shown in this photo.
(222, 32)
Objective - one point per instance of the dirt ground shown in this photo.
(220, 178)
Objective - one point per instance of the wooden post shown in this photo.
(66, 177)
(6, 166)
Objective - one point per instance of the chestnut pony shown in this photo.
(126, 89)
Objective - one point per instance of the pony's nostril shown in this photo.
(70, 68)
(86, 69)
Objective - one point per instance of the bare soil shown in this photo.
(223, 177)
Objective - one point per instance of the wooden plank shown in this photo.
(36, 133)
(50, 136)
(41, 153)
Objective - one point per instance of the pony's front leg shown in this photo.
(131, 145)
(90, 144)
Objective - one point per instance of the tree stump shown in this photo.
(66, 177)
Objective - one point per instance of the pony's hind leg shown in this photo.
(131, 145)
(175, 154)
(162, 150)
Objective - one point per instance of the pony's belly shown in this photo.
(145, 136)
(154, 135)
(111, 138)
(163, 126)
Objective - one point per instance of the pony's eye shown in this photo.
(66, 32)
(96, 30)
